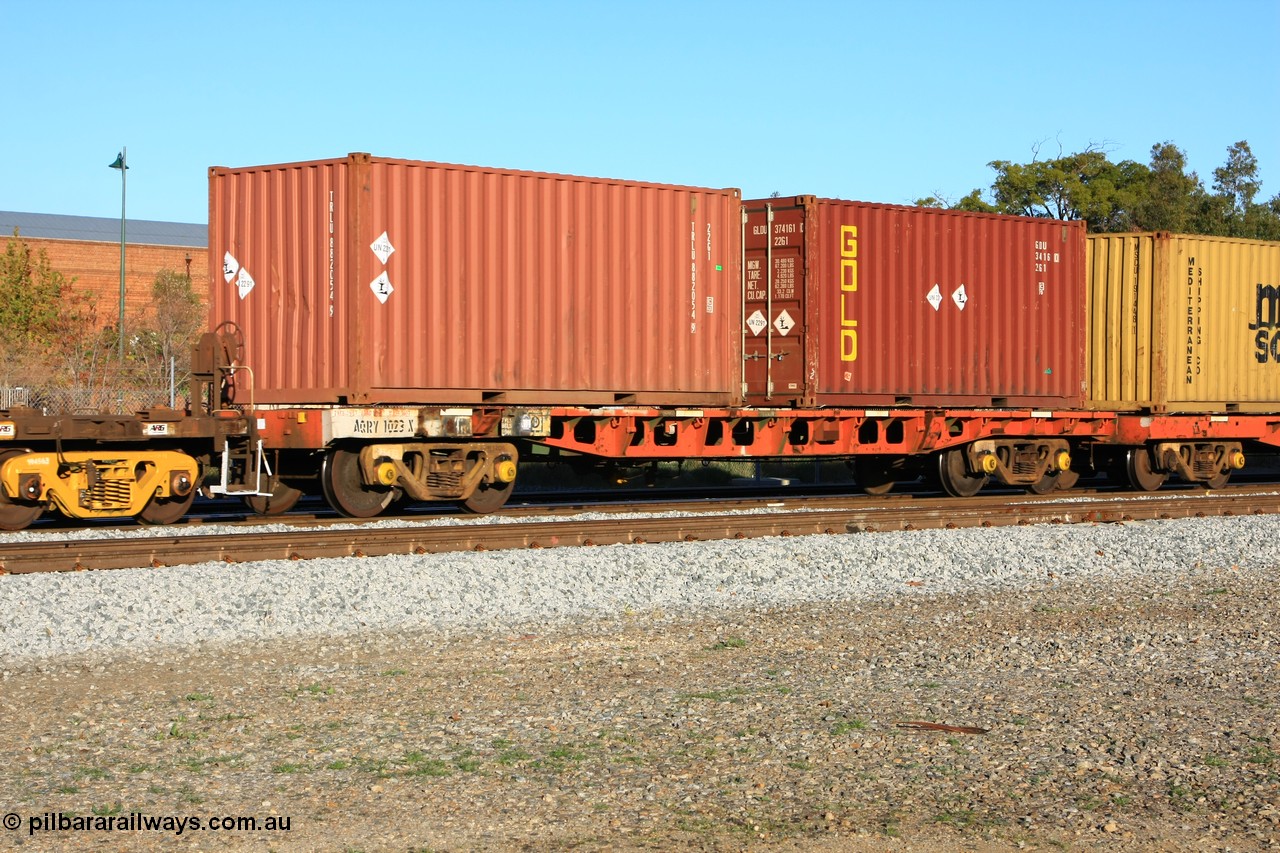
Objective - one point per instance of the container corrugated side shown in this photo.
(277, 245)
(919, 306)
(459, 284)
(1183, 323)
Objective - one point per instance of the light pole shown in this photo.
(123, 167)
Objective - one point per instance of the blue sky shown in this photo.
(883, 101)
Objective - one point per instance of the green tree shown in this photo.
(173, 320)
(30, 291)
(1124, 196)
(30, 311)
(1085, 185)
(1172, 197)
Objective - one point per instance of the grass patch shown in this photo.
(89, 773)
(727, 643)
(417, 764)
(199, 763)
(716, 695)
(959, 818)
(513, 756)
(844, 727)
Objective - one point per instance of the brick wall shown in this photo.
(96, 269)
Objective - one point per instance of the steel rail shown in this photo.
(367, 541)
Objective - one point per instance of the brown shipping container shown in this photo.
(1184, 323)
(370, 280)
(850, 303)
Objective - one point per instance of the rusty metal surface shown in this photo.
(1183, 323)
(372, 280)
(908, 515)
(883, 305)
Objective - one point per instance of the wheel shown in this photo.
(955, 476)
(346, 492)
(877, 475)
(1046, 484)
(1067, 480)
(1219, 480)
(16, 514)
(282, 499)
(1142, 474)
(487, 498)
(166, 510)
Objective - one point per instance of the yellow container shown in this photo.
(1183, 323)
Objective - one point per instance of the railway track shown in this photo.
(832, 516)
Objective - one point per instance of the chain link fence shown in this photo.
(112, 393)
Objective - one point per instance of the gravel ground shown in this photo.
(717, 696)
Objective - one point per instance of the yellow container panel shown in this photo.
(1183, 323)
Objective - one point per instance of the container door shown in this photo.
(773, 305)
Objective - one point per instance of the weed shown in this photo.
(199, 697)
(513, 756)
(177, 732)
(89, 773)
(1261, 755)
(959, 818)
(199, 763)
(843, 727)
(727, 643)
(420, 765)
(715, 695)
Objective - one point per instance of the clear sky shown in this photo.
(885, 101)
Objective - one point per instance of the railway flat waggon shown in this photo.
(1184, 344)
(423, 308)
(415, 327)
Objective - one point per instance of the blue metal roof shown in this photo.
(97, 229)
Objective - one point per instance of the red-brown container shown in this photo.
(856, 304)
(369, 280)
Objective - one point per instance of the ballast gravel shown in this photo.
(130, 610)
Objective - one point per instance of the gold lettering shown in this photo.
(848, 284)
